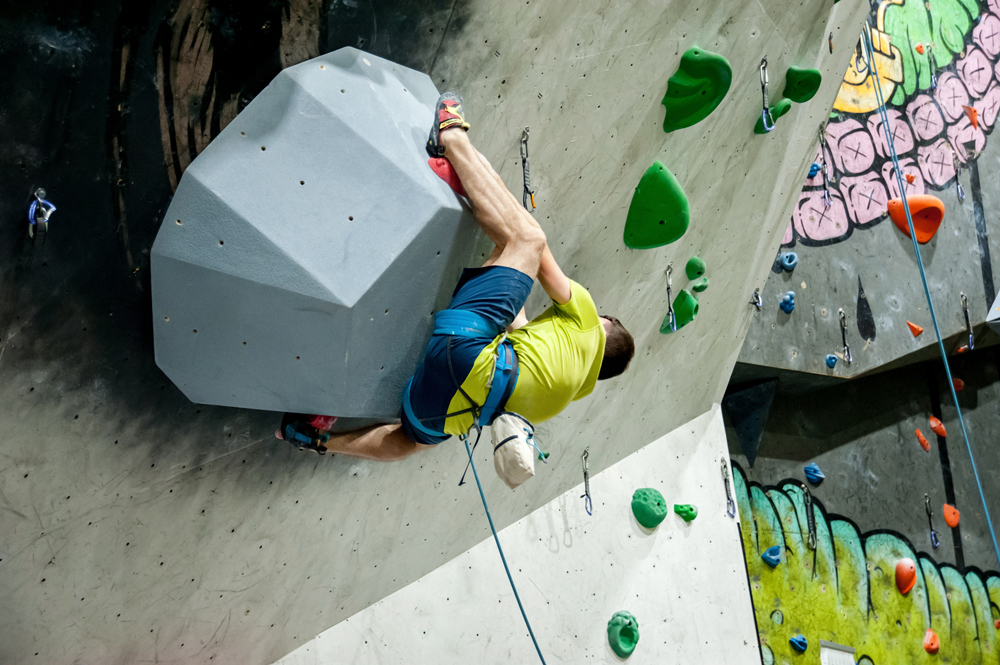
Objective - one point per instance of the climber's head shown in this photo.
(618, 349)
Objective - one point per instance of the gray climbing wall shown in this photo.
(138, 526)
(307, 246)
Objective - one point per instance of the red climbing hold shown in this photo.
(996, 624)
(958, 383)
(444, 170)
(910, 178)
(931, 643)
(919, 48)
(951, 515)
(927, 212)
(915, 329)
(924, 443)
(938, 427)
(906, 575)
(973, 116)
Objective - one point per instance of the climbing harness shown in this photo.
(843, 336)
(880, 98)
(930, 521)
(825, 167)
(766, 113)
(730, 505)
(810, 517)
(755, 299)
(463, 323)
(39, 212)
(958, 171)
(587, 503)
(671, 316)
(968, 324)
(528, 192)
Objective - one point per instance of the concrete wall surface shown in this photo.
(851, 255)
(137, 526)
(574, 571)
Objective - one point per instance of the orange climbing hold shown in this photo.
(910, 178)
(938, 427)
(996, 624)
(951, 515)
(915, 329)
(906, 575)
(973, 116)
(924, 443)
(931, 643)
(958, 383)
(962, 349)
(919, 48)
(927, 212)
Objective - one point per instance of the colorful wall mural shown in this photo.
(843, 588)
(933, 59)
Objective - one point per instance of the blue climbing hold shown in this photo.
(831, 360)
(787, 303)
(799, 643)
(789, 260)
(772, 556)
(813, 474)
(813, 169)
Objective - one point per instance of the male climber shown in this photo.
(561, 354)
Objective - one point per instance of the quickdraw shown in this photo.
(730, 504)
(766, 113)
(672, 317)
(968, 324)
(810, 517)
(528, 194)
(935, 541)
(843, 336)
(958, 171)
(825, 167)
(587, 503)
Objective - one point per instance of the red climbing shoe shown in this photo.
(448, 114)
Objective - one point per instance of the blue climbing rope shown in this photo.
(500, 549)
(923, 276)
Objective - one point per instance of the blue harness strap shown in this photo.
(461, 323)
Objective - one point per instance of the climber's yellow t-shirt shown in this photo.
(560, 353)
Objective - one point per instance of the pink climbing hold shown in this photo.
(444, 170)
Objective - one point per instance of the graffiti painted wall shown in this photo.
(842, 587)
(934, 61)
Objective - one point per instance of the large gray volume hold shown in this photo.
(305, 249)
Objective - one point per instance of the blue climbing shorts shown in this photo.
(496, 293)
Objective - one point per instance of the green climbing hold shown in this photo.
(659, 213)
(695, 268)
(801, 84)
(623, 634)
(686, 510)
(685, 309)
(778, 110)
(700, 285)
(649, 507)
(696, 88)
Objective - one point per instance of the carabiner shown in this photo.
(730, 504)
(843, 336)
(810, 517)
(587, 503)
(755, 299)
(968, 324)
(766, 113)
(935, 541)
(670, 300)
(528, 192)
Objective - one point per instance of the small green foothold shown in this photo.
(778, 110)
(685, 309)
(686, 510)
(623, 633)
(801, 84)
(695, 268)
(649, 507)
(700, 285)
(697, 87)
(659, 213)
